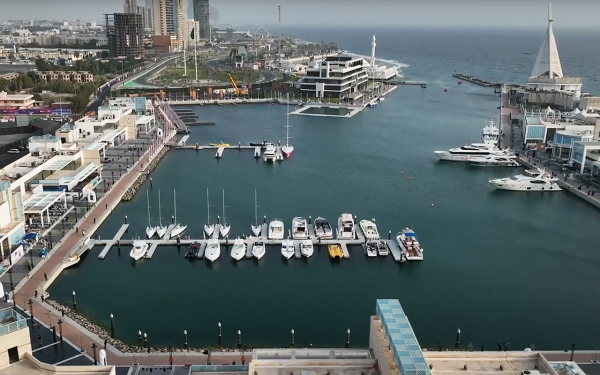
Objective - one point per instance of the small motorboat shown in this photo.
(306, 248)
(299, 231)
(140, 248)
(213, 250)
(258, 249)
(371, 249)
(335, 251)
(323, 229)
(287, 248)
(369, 229)
(382, 249)
(238, 250)
(459, 82)
(276, 231)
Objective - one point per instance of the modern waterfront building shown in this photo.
(201, 10)
(540, 129)
(547, 84)
(379, 72)
(16, 101)
(125, 33)
(338, 76)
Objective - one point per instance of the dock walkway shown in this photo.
(109, 244)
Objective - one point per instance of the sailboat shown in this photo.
(256, 228)
(288, 149)
(178, 228)
(150, 230)
(224, 229)
(160, 229)
(209, 228)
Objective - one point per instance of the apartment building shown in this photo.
(66, 76)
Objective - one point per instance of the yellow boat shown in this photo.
(335, 251)
(219, 144)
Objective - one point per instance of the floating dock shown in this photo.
(201, 123)
(183, 140)
(109, 244)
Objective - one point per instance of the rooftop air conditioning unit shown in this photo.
(531, 372)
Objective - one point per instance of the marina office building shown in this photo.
(61, 166)
(393, 350)
(339, 76)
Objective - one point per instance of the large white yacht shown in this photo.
(258, 249)
(276, 231)
(299, 231)
(238, 250)
(323, 229)
(494, 161)
(346, 229)
(270, 153)
(407, 240)
(139, 250)
(213, 250)
(530, 180)
(306, 248)
(369, 229)
(490, 133)
(464, 153)
(287, 248)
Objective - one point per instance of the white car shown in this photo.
(13, 151)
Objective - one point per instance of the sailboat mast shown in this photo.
(159, 211)
(175, 205)
(255, 209)
(287, 122)
(148, 201)
(224, 220)
(207, 207)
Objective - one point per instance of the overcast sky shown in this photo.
(409, 13)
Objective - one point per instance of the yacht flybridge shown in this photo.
(494, 161)
(346, 229)
(299, 231)
(490, 133)
(466, 152)
(369, 229)
(270, 153)
(276, 231)
(530, 180)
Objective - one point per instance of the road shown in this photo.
(141, 81)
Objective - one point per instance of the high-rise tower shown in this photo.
(201, 10)
(130, 6)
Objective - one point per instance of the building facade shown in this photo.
(49, 76)
(125, 33)
(130, 6)
(17, 101)
(146, 14)
(337, 77)
(202, 15)
(163, 13)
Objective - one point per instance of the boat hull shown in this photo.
(258, 252)
(212, 255)
(256, 229)
(177, 230)
(238, 254)
(287, 151)
(138, 252)
(150, 232)
(224, 230)
(521, 187)
(209, 230)
(161, 231)
(505, 164)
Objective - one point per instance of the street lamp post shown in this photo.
(74, 301)
(31, 258)
(60, 322)
(30, 303)
(12, 286)
(94, 346)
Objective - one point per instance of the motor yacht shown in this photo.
(323, 229)
(287, 248)
(238, 250)
(530, 180)
(466, 152)
(409, 245)
(345, 229)
(382, 249)
(258, 249)
(276, 231)
(369, 229)
(335, 251)
(371, 249)
(299, 226)
(306, 248)
(150, 230)
(213, 250)
(490, 133)
(140, 248)
(270, 153)
(494, 161)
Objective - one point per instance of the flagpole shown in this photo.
(195, 52)
(184, 60)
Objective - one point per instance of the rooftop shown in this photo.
(487, 363)
(31, 366)
(40, 202)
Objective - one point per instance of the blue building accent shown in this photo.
(577, 154)
(140, 104)
(535, 132)
(403, 342)
(16, 236)
(19, 206)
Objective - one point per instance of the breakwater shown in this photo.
(474, 80)
(142, 177)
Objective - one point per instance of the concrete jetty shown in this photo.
(109, 244)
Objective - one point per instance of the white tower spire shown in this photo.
(547, 63)
(373, 45)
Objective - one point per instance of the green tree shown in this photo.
(3, 84)
(43, 65)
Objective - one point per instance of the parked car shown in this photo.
(13, 151)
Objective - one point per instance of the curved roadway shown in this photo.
(141, 81)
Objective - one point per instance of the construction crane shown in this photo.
(236, 90)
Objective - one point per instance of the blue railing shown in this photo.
(218, 368)
(19, 321)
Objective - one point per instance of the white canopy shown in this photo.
(549, 110)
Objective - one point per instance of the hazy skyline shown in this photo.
(409, 13)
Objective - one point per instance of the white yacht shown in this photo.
(530, 180)
(209, 228)
(346, 229)
(258, 249)
(299, 228)
(287, 248)
(371, 249)
(409, 245)
(224, 229)
(306, 248)
(213, 250)
(323, 229)
(466, 152)
(369, 229)
(150, 230)
(494, 161)
(238, 250)
(161, 230)
(256, 228)
(382, 249)
(270, 153)
(276, 231)
(139, 250)
(490, 133)
(178, 228)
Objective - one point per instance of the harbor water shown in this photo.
(501, 266)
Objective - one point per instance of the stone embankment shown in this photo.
(133, 189)
(118, 344)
